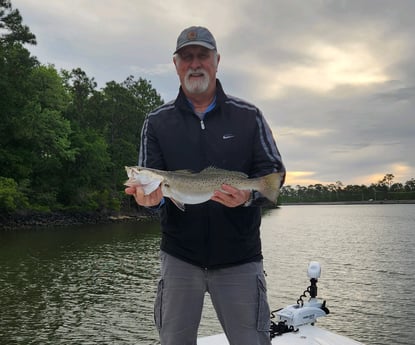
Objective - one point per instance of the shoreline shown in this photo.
(368, 202)
(62, 219)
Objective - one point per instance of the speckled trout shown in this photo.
(185, 187)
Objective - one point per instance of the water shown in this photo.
(96, 284)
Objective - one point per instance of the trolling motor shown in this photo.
(302, 313)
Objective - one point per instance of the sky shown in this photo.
(335, 79)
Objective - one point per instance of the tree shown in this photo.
(37, 143)
(16, 65)
(124, 109)
(11, 198)
(333, 190)
(81, 88)
(378, 191)
(85, 178)
(387, 180)
(410, 185)
(62, 142)
(14, 32)
(48, 133)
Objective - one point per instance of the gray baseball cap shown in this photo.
(195, 35)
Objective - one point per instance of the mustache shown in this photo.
(196, 71)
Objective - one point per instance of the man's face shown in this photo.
(196, 67)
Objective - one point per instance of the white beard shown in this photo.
(196, 86)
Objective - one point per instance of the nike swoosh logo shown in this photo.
(228, 136)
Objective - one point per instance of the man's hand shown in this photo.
(231, 196)
(152, 199)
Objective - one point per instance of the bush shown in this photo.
(11, 198)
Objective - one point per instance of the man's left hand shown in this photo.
(231, 196)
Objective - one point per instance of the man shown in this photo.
(213, 247)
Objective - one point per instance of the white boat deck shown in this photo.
(300, 317)
(306, 335)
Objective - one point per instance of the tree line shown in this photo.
(384, 189)
(63, 143)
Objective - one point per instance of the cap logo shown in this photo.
(191, 35)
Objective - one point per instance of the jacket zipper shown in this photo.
(202, 124)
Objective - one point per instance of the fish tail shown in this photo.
(270, 186)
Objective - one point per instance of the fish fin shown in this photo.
(150, 187)
(178, 204)
(184, 172)
(270, 185)
(218, 171)
(147, 188)
(210, 171)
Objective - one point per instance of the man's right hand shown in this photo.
(152, 199)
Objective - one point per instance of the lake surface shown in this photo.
(96, 284)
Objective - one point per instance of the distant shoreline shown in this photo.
(372, 202)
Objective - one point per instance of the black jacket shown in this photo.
(232, 136)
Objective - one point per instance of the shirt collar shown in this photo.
(209, 108)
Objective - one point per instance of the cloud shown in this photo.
(300, 178)
(158, 69)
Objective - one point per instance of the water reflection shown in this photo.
(96, 284)
(86, 285)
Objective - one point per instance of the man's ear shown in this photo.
(174, 61)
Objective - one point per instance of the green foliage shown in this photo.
(11, 198)
(89, 169)
(124, 107)
(93, 200)
(13, 31)
(63, 144)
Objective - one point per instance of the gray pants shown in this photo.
(238, 295)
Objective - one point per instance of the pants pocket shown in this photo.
(158, 305)
(264, 313)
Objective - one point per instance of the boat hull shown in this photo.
(306, 335)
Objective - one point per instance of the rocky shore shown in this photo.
(41, 219)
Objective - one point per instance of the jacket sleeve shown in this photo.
(150, 155)
(267, 158)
